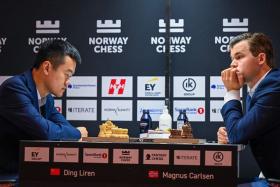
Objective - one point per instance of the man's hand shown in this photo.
(222, 135)
(84, 132)
(232, 79)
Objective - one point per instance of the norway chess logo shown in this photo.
(47, 27)
(234, 26)
(108, 26)
(106, 43)
(117, 86)
(178, 44)
(175, 27)
(45, 30)
(2, 43)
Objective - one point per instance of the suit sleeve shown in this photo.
(64, 129)
(257, 121)
(18, 108)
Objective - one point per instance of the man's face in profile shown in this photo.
(244, 61)
(59, 78)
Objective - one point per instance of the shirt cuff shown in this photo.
(232, 95)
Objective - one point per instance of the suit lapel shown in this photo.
(248, 102)
(47, 107)
(32, 87)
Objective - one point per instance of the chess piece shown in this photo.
(187, 131)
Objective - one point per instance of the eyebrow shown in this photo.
(235, 54)
(70, 71)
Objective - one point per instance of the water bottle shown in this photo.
(145, 122)
(182, 119)
(165, 120)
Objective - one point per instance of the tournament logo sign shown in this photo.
(231, 28)
(109, 39)
(3, 42)
(85, 110)
(192, 86)
(117, 86)
(116, 110)
(178, 41)
(45, 30)
(148, 86)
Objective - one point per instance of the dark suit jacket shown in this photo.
(260, 126)
(20, 119)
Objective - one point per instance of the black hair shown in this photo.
(55, 51)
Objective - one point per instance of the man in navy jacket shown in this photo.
(27, 109)
(252, 64)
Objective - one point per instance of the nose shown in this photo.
(233, 64)
(67, 82)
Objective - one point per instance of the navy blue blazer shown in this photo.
(260, 125)
(20, 119)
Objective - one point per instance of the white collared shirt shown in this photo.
(235, 94)
(41, 100)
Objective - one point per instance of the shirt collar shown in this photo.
(41, 100)
(251, 91)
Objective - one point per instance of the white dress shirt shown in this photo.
(41, 100)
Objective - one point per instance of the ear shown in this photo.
(262, 58)
(46, 65)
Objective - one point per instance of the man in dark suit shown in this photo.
(252, 64)
(27, 109)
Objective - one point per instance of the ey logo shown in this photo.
(34, 154)
(150, 87)
(117, 86)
